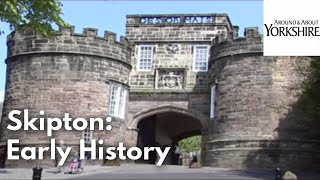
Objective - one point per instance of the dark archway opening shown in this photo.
(165, 129)
(147, 137)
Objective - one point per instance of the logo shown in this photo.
(293, 28)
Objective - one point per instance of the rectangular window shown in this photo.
(122, 103)
(145, 57)
(87, 136)
(200, 58)
(213, 101)
(114, 99)
(118, 98)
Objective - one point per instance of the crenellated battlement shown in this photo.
(233, 35)
(109, 36)
(231, 44)
(66, 40)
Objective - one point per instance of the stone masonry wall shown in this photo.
(247, 130)
(167, 32)
(184, 34)
(68, 73)
(71, 72)
(194, 102)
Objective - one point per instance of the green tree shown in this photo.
(307, 109)
(190, 144)
(41, 15)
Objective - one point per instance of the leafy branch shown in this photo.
(41, 15)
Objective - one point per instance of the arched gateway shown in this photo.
(165, 125)
(144, 113)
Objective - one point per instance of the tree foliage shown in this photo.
(191, 144)
(41, 15)
(307, 108)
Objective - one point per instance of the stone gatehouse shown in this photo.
(171, 77)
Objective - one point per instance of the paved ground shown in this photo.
(178, 172)
(152, 172)
(48, 173)
(181, 172)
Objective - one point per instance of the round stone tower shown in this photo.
(67, 73)
(252, 104)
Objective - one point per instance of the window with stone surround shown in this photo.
(200, 58)
(87, 136)
(145, 57)
(118, 97)
(213, 101)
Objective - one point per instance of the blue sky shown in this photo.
(110, 15)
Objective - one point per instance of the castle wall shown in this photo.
(195, 102)
(173, 38)
(73, 73)
(68, 73)
(173, 30)
(252, 102)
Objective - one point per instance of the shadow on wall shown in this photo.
(297, 146)
(1, 106)
(202, 90)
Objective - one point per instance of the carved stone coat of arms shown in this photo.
(170, 81)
